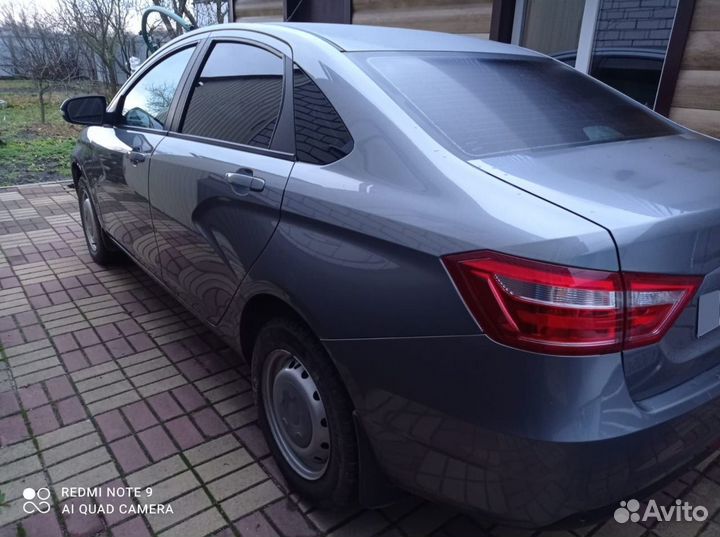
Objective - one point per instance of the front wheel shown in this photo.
(100, 246)
(305, 414)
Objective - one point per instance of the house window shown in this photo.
(623, 44)
(552, 26)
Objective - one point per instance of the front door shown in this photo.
(216, 186)
(124, 152)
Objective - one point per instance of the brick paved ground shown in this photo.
(106, 380)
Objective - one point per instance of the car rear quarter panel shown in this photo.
(358, 247)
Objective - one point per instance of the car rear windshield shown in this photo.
(478, 104)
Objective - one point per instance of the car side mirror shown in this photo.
(88, 110)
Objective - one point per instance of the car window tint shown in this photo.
(148, 102)
(320, 134)
(479, 104)
(237, 96)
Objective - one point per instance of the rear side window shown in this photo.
(237, 97)
(479, 104)
(320, 134)
(147, 104)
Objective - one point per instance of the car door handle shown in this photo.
(136, 157)
(245, 181)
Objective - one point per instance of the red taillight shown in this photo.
(653, 303)
(565, 310)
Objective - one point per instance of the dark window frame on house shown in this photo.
(506, 27)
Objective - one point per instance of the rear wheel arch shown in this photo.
(266, 306)
(259, 310)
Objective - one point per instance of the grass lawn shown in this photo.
(33, 151)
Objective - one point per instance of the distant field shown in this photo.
(31, 151)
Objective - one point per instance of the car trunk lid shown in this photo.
(660, 200)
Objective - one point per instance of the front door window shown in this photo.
(147, 104)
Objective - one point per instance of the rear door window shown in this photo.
(480, 104)
(237, 96)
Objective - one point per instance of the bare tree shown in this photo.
(102, 26)
(210, 12)
(196, 12)
(37, 51)
(161, 28)
(181, 8)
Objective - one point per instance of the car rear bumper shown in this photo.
(529, 439)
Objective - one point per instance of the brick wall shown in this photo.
(635, 23)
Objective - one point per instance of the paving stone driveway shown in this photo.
(106, 380)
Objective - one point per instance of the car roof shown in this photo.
(357, 37)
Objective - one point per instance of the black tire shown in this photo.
(338, 485)
(100, 247)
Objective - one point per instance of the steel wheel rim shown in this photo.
(296, 414)
(88, 219)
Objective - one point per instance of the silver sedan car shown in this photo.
(457, 267)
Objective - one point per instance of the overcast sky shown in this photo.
(42, 4)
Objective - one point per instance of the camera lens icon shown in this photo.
(40, 505)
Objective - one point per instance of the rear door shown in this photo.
(217, 180)
(123, 153)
